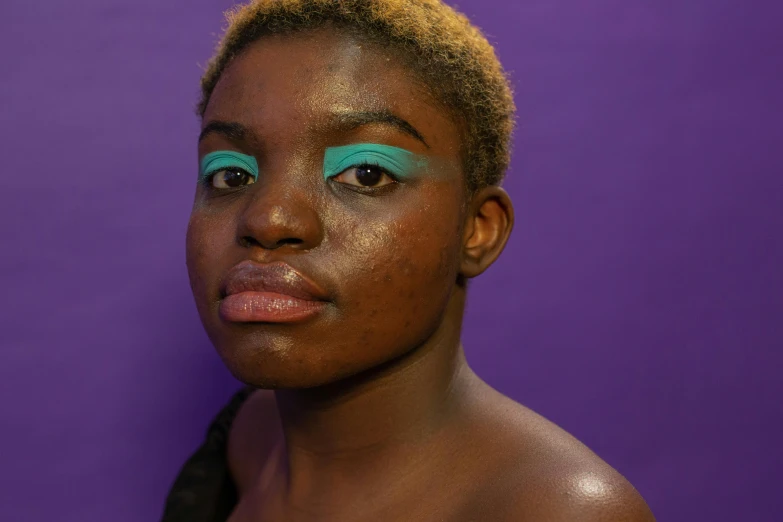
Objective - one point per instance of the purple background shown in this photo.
(639, 303)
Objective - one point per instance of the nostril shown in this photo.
(250, 241)
(289, 241)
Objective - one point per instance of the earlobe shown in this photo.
(487, 228)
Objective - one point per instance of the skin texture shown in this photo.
(376, 414)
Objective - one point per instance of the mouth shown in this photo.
(269, 293)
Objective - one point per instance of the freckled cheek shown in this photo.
(402, 267)
(422, 266)
(206, 238)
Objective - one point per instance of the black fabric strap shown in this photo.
(203, 490)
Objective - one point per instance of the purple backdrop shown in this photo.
(639, 303)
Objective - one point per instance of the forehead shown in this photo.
(289, 86)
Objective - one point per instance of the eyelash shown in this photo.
(207, 178)
(367, 191)
(376, 165)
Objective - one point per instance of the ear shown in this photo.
(488, 225)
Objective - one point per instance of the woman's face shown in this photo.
(336, 274)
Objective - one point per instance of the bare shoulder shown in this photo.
(541, 472)
(587, 496)
(253, 435)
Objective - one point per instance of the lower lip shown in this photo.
(267, 307)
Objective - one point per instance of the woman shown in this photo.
(350, 157)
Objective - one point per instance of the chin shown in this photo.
(271, 361)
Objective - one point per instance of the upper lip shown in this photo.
(279, 278)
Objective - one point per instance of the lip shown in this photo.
(269, 292)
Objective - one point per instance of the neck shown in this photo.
(342, 434)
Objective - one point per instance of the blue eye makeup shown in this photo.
(227, 159)
(399, 163)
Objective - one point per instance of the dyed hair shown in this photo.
(440, 46)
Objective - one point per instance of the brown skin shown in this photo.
(377, 415)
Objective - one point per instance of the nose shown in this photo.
(278, 215)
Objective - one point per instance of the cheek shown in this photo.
(403, 269)
(205, 240)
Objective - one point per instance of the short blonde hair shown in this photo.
(441, 47)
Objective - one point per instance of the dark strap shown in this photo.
(203, 490)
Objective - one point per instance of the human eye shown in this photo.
(365, 176)
(227, 169)
(231, 177)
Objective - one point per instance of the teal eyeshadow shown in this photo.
(224, 159)
(398, 162)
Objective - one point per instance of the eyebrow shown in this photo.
(350, 120)
(234, 131)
